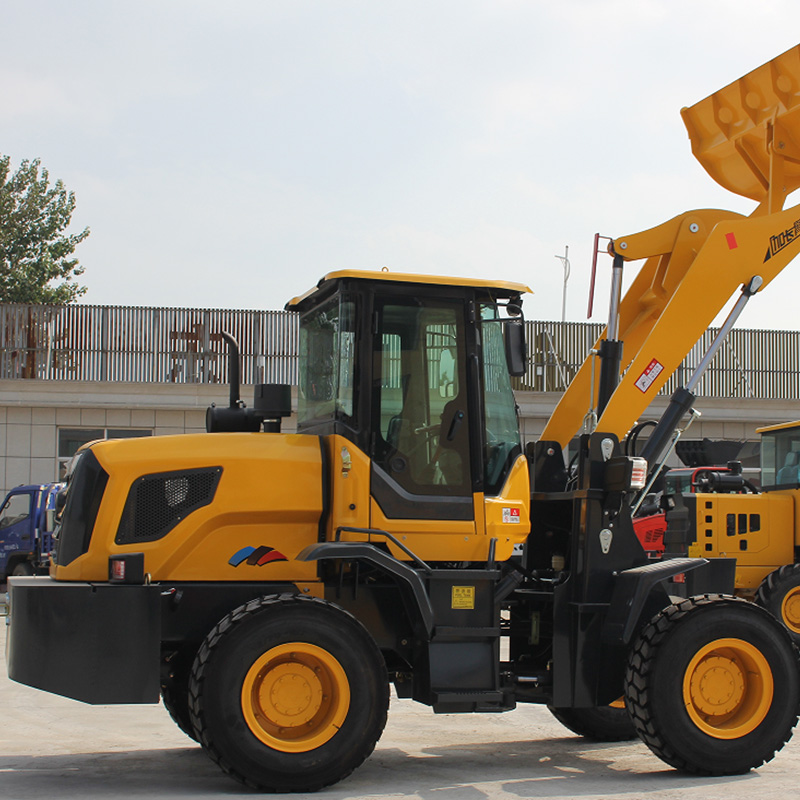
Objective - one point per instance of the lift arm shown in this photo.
(747, 136)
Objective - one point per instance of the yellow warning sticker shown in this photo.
(463, 597)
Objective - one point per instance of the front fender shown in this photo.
(408, 579)
(631, 593)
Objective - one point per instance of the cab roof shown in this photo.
(779, 427)
(499, 288)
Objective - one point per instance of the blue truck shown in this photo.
(27, 519)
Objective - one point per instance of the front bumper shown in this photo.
(98, 643)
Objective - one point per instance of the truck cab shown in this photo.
(27, 521)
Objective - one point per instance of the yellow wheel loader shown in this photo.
(270, 586)
(728, 519)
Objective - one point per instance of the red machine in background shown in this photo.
(702, 473)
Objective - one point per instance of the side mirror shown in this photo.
(516, 355)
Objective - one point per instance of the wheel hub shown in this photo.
(717, 685)
(728, 688)
(290, 694)
(790, 610)
(295, 697)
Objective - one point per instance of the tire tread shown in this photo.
(774, 587)
(213, 641)
(637, 680)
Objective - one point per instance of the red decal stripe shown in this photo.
(270, 557)
(732, 245)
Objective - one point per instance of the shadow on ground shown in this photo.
(559, 768)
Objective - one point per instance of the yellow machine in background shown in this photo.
(761, 530)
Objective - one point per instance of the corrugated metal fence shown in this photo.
(155, 345)
(184, 345)
(751, 363)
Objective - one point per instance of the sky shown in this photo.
(228, 155)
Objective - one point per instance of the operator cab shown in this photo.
(780, 456)
(416, 372)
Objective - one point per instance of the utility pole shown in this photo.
(564, 263)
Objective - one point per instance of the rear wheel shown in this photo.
(712, 686)
(779, 593)
(23, 568)
(177, 705)
(609, 723)
(175, 691)
(289, 694)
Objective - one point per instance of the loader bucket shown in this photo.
(737, 132)
(707, 452)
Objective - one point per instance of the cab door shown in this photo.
(422, 459)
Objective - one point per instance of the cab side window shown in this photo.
(420, 398)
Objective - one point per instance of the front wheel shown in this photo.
(712, 685)
(288, 694)
(779, 593)
(23, 569)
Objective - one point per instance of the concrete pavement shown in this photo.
(54, 747)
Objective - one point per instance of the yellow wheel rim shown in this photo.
(618, 703)
(728, 688)
(295, 697)
(790, 610)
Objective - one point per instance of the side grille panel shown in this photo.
(157, 503)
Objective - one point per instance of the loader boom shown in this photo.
(745, 136)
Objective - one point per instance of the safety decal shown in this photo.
(463, 597)
(256, 556)
(511, 515)
(652, 371)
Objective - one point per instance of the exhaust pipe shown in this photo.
(272, 401)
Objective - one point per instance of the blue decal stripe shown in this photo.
(237, 558)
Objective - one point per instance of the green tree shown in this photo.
(37, 264)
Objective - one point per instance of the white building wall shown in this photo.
(32, 412)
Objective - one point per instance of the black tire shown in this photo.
(175, 691)
(779, 593)
(601, 724)
(177, 705)
(23, 568)
(288, 694)
(712, 685)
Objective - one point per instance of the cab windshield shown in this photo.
(501, 425)
(327, 362)
(678, 482)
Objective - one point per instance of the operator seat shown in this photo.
(452, 451)
(789, 472)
